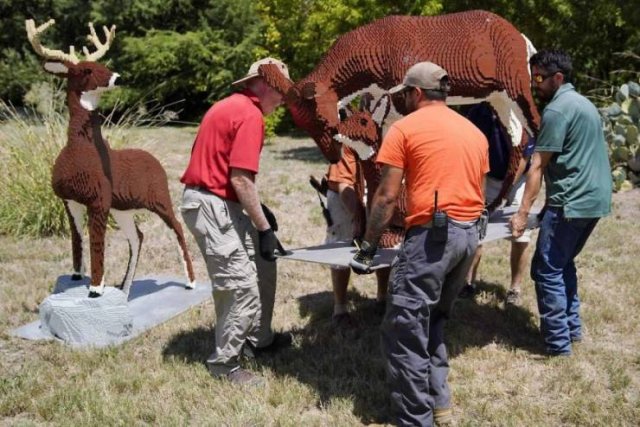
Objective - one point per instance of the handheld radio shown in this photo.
(440, 223)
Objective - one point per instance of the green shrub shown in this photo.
(30, 141)
(621, 123)
(18, 71)
(272, 121)
(28, 148)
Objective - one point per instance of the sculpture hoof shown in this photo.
(190, 285)
(94, 295)
(76, 276)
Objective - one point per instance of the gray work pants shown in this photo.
(426, 281)
(244, 283)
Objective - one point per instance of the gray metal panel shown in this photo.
(340, 253)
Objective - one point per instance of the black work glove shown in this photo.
(362, 260)
(320, 186)
(271, 218)
(483, 223)
(268, 244)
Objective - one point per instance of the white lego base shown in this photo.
(152, 300)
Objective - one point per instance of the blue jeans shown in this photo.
(553, 270)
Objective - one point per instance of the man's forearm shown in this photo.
(244, 186)
(379, 218)
(522, 166)
(531, 190)
(384, 203)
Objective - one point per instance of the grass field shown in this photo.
(499, 374)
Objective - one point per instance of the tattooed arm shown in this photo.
(384, 203)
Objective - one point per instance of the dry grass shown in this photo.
(498, 377)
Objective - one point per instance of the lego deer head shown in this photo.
(86, 78)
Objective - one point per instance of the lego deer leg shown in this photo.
(75, 211)
(127, 224)
(97, 229)
(170, 219)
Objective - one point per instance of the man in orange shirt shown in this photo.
(443, 158)
(343, 206)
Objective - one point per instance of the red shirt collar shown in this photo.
(252, 96)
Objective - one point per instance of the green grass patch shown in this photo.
(499, 375)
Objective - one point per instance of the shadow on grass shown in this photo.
(192, 346)
(340, 363)
(348, 364)
(303, 154)
(476, 325)
(337, 365)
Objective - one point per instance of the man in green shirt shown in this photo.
(571, 154)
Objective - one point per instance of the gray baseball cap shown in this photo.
(253, 69)
(425, 75)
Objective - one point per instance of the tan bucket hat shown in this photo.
(425, 75)
(253, 69)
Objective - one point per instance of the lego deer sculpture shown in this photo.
(89, 174)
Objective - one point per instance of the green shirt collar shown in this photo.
(566, 87)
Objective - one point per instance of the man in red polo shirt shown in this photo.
(221, 208)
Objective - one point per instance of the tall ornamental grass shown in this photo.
(30, 141)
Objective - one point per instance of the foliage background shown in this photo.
(193, 49)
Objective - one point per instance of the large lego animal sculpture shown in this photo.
(89, 174)
(485, 56)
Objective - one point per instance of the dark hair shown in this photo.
(553, 61)
(438, 94)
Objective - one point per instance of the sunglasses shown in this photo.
(539, 78)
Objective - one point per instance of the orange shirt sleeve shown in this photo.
(392, 151)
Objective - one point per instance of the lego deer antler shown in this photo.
(33, 34)
(102, 48)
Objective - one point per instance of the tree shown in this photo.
(591, 31)
(300, 31)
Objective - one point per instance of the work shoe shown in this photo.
(245, 378)
(513, 296)
(280, 341)
(343, 321)
(380, 308)
(468, 290)
(443, 417)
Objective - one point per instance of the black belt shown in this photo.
(459, 224)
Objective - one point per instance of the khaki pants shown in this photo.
(244, 283)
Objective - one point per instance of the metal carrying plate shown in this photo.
(340, 253)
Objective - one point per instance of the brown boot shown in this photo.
(443, 417)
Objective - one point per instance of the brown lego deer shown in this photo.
(361, 131)
(89, 174)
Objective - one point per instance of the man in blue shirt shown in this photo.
(571, 154)
(500, 146)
